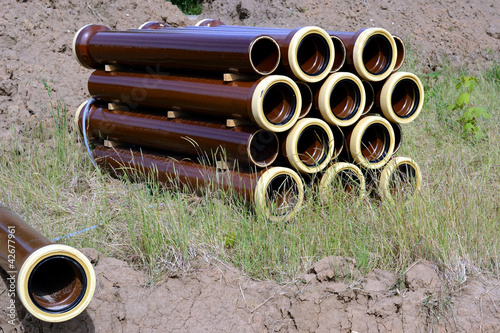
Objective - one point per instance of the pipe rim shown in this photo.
(76, 39)
(356, 107)
(329, 178)
(270, 62)
(270, 145)
(387, 177)
(340, 54)
(370, 96)
(407, 108)
(307, 98)
(153, 25)
(356, 147)
(77, 117)
(398, 136)
(320, 67)
(208, 23)
(320, 157)
(401, 53)
(286, 113)
(50, 251)
(369, 35)
(262, 188)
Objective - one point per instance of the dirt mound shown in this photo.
(214, 297)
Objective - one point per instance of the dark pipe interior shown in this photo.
(403, 181)
(264, 147)
(405, 98)
(340, 54)
(307, 98)
(313, 145)
(401, 53)
(57, 284)
(377, 54)
(348, 181)
(282, 194)
(398, 136)
(313, 54)
(344, 99)
(375, 143)
(370, 96)
(279, 103)
(265, 55)
(338, 140)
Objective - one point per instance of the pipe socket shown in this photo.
(400, 179)
(309, 146)
(341, 177)
(401, 97)
(276, 192)
(371, 142)
(54, 282)
(341, 99)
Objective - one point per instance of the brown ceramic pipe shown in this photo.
(213, 140)
(272, 102)
(307, 53)
(400, 98)
(96, 45)
(401, 49)
(277, 192)
(54, 282)
(371, 52)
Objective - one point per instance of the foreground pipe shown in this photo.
(276, 192)
(307, 53)
(400, 98)
(247, 144)
(341, 99)
(54, 282)
(342, 177)
(272, 102)
(309, 146)
(371, 52)
(400, 179)
(371, 142)
(96, 45)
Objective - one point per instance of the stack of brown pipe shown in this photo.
(248, 110)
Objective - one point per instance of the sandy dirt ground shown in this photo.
(35, 46)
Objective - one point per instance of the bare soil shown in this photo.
(35, 44)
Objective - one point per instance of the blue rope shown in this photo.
(75, 233)
(84, 130)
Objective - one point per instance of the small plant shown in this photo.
(470, 113)
(189, 7)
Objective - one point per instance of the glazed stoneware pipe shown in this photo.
(248, 144)
(272, 102)
(307, 53)
(96, 45)
(371, 52)
(54, 282)
(276, 192)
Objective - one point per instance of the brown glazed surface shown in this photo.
(26, 241)
(213, 140)
(172, 48)
(208, 96)
(181, 173)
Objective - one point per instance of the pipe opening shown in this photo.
(377, 54)
(340, 54)
(338, 140)
(401, 53)
(375, 143)
(403, 181)
(344, 99)
(405, 98)
(370, 96)
(279, 103)
(307, 98)
(313, 54)
(264, 55)
(57, 284)
(264, 148)
(282, 195)
(348, 181)
(313, 145)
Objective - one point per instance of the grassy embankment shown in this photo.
(455, 221)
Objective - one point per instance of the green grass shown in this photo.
(189, 7)
(47, 177)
